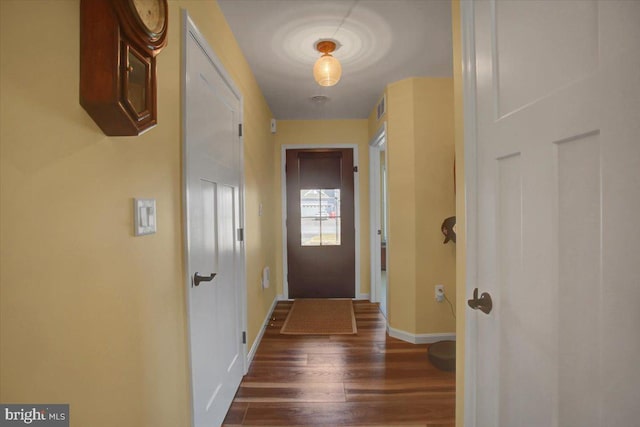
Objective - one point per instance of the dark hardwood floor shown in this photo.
(368, 379)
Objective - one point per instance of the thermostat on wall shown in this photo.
(144, 216)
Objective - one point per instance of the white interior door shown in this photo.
(214, 255)
(553, 138)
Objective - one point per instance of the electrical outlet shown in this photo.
(439, 293)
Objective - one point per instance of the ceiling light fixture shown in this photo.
(327, 69)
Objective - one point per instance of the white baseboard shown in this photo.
(258, 339)
(419, 338)
(365, 297)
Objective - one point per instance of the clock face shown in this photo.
(151, 13)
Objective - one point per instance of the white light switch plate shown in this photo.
(144, 216)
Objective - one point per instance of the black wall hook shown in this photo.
(484, 303)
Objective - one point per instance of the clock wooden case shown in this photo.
(119, 41)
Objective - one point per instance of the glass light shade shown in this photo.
(327, 70)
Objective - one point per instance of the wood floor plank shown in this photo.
(400, 389)
(290, 392)
(349, 413)
(368, 379)
(235, 415)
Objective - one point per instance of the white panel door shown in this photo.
(554, 236)
(212, 173)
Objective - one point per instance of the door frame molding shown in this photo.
(467, 17)
(356, 211)
(375, 202)
(190, 30)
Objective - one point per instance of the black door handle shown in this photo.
(483, 303)
(197, 278)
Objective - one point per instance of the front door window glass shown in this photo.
(320, 217)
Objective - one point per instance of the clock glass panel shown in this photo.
(136, 87)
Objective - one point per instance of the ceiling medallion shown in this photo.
(327, 69)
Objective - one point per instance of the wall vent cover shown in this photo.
(381, 108)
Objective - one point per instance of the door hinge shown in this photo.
(244, 337)
(355, 169)
(239, 129)
(240, 234)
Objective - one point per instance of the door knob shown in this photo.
(198, 278)
(483, 303)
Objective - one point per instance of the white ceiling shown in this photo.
(382, 41)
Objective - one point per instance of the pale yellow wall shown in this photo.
(420, 149)
(435, 201)
(89, 314)
(328, 132)
(401, 243)
(461, 237)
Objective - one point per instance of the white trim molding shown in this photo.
(265, 324)
(420, 338)
(376, 144)
(467, 24)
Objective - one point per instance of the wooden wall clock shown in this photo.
(119, 41)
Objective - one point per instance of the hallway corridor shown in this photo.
(349, 380)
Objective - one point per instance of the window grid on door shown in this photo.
(320, 219)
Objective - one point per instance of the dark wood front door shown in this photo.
(320, 223)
